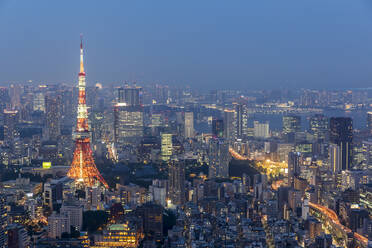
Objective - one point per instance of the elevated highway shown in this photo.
(236, 155)
(332, 222)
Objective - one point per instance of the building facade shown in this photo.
(341, 134)
(189, 124)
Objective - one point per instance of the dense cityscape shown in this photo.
(153, 165)
(186, 124)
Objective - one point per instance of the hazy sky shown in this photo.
(206, 43)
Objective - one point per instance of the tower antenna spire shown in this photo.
(81, 56)
(81, 40)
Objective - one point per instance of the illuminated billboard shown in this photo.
(47, 165)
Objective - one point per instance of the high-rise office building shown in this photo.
(217, 128)
(39, 102)
(341, 129)
(291, 124)
(176, 170)
(58, 224)
(15, 92)
(367, 153)
(74, 211)
(283, 149)
(92, 98)
(319, 126)
(152, 217)
(189, 124)
(53, 115)
(128, 124)
(261, 130)
(10, 126)
(245, 119)
(334, 158)
(156, 120)
(67, 107)
(128, 116)
(18, 237)
(229, 125)
(369, 123)
(4, 99)
(53, 193)
(341, 134)
(219, 158)
(166, 146)
(239, 120)
(293, 167)
(3, 223)
(162, 93)
(130, 95)
(282, 196)
(158, 192)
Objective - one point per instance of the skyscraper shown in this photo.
(15, 92)
(3, 223)
(128, 124)
(130, 95)
(319, 126)
(245, 119)
(293, 167)
(39, 102)
(18, 237)
(367, 152)
(4, 99)
(67, 107)
(291, 124)
(217, 128)
(219, 158)
(166, 146)
(369, 123)
(10, 126)
(152, 218)
(229, 125)
(334, 158)
(176, 170)
(128, 116)
(53, 116)
(261, 130)
(341, 134)
(239, 120)
(189, 124)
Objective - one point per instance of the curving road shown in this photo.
(334, 218)
(236, 155)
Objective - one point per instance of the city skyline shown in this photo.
(167, 145)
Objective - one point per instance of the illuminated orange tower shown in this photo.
(83, 169)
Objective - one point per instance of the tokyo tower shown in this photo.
(83, 169)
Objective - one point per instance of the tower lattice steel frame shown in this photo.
(83, 169)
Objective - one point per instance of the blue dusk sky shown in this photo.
(247, 44)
